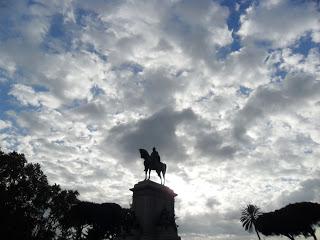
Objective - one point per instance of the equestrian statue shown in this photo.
(152, 162)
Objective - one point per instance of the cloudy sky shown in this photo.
(228, 92)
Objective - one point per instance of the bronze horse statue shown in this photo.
(151, 163)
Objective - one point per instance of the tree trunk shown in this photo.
(257, 233)
(314, 235)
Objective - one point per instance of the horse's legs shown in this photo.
(163, 170)
(149, 173)
(145, 171)
(158, 172)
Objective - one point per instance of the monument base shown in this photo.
(153, 205)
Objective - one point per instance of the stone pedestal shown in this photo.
(153, 205)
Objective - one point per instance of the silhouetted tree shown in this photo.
(100, 221)
(249, 216)
(31, 208)
(292, 220)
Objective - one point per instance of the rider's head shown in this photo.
(154, 149)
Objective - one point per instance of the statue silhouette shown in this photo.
(152, 162)
(155, 155)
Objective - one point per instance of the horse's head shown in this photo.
(144, 154)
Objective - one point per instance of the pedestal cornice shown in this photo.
(153, 186)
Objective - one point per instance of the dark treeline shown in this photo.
(32, 209)
(290, 221)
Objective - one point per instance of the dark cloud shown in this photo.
(163, 45)
(91, 111)
(32, 122)
(198, 28)
(143, 90)
(276, 98)
(96, 6)
(212, 145)
(160, 130)
(159, 88)
(301, 86)
(212, 202)
(157, 130)
(307, 191)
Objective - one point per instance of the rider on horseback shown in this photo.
(152, 162)
(155, 155)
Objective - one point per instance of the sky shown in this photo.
(227, 91)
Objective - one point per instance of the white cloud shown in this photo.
(279, 22)
(4, 124)
(120, 75)
(316, 36)
(293, 62)
(27, 96)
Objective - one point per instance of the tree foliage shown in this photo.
(290, 221)
(32, 209)
(249, 216)
(100, 221)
